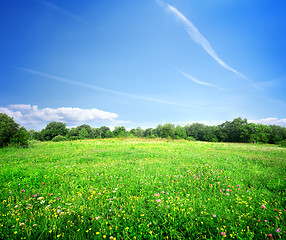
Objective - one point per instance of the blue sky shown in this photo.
(142, 63)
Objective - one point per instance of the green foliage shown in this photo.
(119, 132)
(72, 138)
(11, 133)
(283, 143)
(59, 138)
(54, 129)
(191, 139)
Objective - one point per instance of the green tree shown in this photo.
(180, 132)
(11, 132)
(54, 129)
(119, 132)
(84, 131)
(103, 130)
(168, 131)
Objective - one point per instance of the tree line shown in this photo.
(238, 130)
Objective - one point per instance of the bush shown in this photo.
(72, 138)
(283, 143)
(191, 139)
(11, 133)
(59, 138)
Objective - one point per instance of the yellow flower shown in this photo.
(97, 233)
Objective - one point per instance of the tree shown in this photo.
(53, 129)
(150, 133)
(11, 132)
(103, 130)
(259, 133)
(180, 132)
(119, 132)
(168, 131)
(84, 131)
(195, 130)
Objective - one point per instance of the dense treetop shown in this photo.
(237, 130)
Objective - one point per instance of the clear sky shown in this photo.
(142, 63)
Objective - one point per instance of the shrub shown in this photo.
(59, 138)
(72, 138)
(283, 143)
(191, 139)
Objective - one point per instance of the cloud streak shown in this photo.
(93, 87)
(197, 37)
(200, 82)
(62, 11)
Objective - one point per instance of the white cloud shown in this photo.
(197, 36)
(271, 121)
(28, 115)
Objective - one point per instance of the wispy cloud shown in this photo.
(85, 85)
(198, 37)
(199, 82)
(62, 11)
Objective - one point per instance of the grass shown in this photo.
(142, 189)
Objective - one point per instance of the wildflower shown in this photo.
(263, 207)
(270, 236)
(34, 225)
(35, 195)
(214, 215)
(265, 220)
(58, 211)
(158, 200)
(157, 195)
(16, 206)
(227, 194)
(22, 224)
(58, 198)
(23, 190)
(278, 230)
(223, 234)
(39, 198)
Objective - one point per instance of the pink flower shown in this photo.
(158, 200)
(265, 220)
(23, 190)
(278, 230)
(263, 207)
(58, 211)
(270, 236)
(223, 233)
(35, 195)
(58, 198)
(214, 215)
(163, 192)
(157, 195)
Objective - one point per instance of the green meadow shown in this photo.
(142, 189)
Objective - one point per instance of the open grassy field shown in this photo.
(143, 189)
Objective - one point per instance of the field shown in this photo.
(143, 189)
